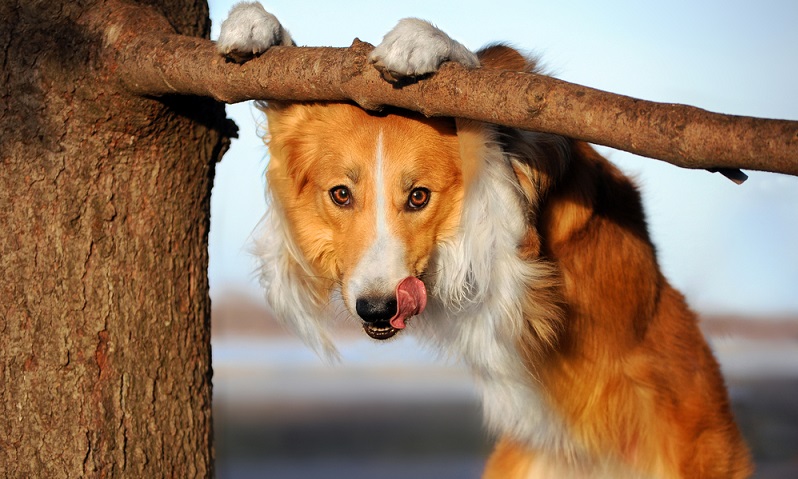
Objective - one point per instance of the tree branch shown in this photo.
(150, 61)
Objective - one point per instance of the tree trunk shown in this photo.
(104, 216)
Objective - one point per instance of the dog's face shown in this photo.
(366, 198)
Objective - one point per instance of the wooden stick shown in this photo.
(148, 61)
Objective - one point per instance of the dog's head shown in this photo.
(361, 200)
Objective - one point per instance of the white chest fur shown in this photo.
(475, 313)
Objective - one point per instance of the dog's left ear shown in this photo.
(474, 138)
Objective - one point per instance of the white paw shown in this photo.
(415, 47)
(250, 30)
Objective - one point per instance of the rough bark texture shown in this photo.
(153, 63)
(104, 216)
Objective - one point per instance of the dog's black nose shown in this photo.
(373, 310)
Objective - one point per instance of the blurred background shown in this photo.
(392, 410)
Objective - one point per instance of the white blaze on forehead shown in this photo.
(381, 190)
(382, 265)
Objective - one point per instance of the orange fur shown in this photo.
(617, 354)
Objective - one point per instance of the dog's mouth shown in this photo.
(411, 299)
(380, 330)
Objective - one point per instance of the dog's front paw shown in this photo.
(414, 48)
(250, 30)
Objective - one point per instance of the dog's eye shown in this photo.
(418, 198)
(341, 195)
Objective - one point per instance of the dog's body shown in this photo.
(524, 254)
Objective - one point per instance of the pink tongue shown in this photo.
(411, 299)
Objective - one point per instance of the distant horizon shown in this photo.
(242, 313)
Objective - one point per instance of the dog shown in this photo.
(525, 255)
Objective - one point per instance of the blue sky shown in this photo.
(730, 249)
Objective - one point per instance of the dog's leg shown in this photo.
(416, 47)
(250, 30)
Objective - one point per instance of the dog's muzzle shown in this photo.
(383, 317)
(376, 314)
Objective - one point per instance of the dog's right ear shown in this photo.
(284, 118)
(284, 136)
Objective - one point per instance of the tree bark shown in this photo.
(154, 63)
(104, 213)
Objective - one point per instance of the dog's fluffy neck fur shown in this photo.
(487, 299)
